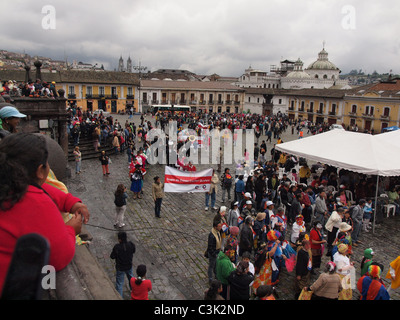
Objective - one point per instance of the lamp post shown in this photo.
(139, 68)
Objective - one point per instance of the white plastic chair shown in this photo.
(331, 189)
(349, 196)
(388, 208)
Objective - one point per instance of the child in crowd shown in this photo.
(367, 215)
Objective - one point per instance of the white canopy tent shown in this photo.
(363, 153)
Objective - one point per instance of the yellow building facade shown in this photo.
(113, 92)
(374, 107)
(316, 105)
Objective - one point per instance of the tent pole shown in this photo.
(376, 202)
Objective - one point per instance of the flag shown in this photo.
(187, 181)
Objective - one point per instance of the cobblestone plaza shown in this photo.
(172, 247)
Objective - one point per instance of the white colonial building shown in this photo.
(321, 74)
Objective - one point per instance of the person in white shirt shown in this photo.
(344, 269)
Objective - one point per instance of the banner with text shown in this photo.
(187, 181)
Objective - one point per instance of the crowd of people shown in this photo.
(283, 214)
(32, 89)
(287, 214)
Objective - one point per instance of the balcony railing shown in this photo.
(130, 96)
(368, 115)
(71, 96)
(111, 96)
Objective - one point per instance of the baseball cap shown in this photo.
(10, 112)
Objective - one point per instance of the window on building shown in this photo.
(130, 91)
(280, 101)
(386, 111)
(71, 90)
(89, 90)
(354, 108)
(114, 91)
(101, 91)
(369, 110)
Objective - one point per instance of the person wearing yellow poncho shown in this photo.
(394, 274)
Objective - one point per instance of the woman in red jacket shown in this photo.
(28, 205)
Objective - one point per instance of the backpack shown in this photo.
(119, 200)
(227, 181)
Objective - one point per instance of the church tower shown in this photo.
(129, 65)
(121, 64)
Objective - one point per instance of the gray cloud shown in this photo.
(221, 36)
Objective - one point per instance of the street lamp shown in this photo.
(139, 68)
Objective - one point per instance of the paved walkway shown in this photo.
(172, 247)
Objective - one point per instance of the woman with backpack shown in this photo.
(120, 197)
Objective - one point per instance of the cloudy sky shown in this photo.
(218, 36)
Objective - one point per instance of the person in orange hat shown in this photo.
(264, 260)
(298, 226)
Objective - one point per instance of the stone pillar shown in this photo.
(38, 65)
(27, 73)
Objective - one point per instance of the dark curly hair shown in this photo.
(20, 156)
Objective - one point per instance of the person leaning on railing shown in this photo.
(29, 205)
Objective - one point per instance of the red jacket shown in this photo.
(37, 213)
